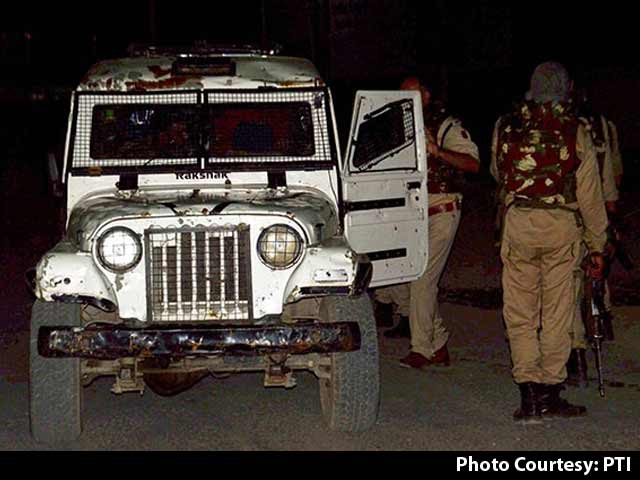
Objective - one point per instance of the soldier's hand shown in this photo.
(596, 266)
(432, 146)
(609, 250)
(433, 150)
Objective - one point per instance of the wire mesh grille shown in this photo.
(259, 129)
(383, 134)
(319, 148)
(135, 130)
(107, 137)
(145, 132)
(199, 274)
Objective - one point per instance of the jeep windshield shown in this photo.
(129, 133)
(145, 132)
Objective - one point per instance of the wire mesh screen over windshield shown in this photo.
(269, 127)
(145, 131)
(260, 129)
(228, 130)
(383, 133)
(133, 130)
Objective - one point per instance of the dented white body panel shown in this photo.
(326, 261)
(155, 73)
(394, 186)
(68, 272)
(253, 184)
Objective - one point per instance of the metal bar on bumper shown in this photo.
(109, 343)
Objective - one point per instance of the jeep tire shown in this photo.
(55, 391)
(350, 398)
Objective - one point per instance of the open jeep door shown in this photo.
(384, 180)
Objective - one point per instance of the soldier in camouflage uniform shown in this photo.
(544, 161)
(450, 153)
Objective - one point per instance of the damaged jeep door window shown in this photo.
(382, 136)
(145, 132)
(263, 129)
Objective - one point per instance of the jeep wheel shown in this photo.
(350, 397)
(55, 392)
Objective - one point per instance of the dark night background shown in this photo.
(480, 53)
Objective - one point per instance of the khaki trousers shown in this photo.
(398, 294)
(419, 300)
(539, 308)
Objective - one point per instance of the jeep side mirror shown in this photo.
(55, 181)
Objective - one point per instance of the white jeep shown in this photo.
(212, 226)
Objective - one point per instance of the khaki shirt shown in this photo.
(554, 228)
(616, 157)
(609, 187)
(457, 139)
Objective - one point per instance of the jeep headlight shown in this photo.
(279, 246)
(119, 249)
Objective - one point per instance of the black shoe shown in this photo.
(529, 412)
(551, 405)
(577, 368)
(383, 313)
(401, 330)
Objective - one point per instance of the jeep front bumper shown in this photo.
(112, 342)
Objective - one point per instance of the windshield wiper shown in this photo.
(149, 161)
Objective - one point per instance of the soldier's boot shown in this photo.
(401, 330)
(383, 313)
(551, 405)
(577, 368)
(529, 411)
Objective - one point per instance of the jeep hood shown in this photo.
(313, 212)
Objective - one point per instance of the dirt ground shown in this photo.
(465, 407)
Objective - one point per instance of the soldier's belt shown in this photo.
(539, 204)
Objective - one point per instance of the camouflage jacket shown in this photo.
(536, 153)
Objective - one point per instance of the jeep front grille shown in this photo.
(199, 274)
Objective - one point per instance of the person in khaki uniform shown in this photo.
(616, 156)
(545, 164)
(605, 141)
(450, 153)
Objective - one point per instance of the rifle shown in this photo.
(614, 251)
(594, 314)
